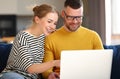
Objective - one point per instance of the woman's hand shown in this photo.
(56, 63)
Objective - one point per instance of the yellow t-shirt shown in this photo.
(82, 39)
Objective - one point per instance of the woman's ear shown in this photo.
(37, 19)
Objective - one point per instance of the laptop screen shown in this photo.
(86, 64)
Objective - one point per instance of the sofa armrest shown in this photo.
(4, 53)
(115, 72)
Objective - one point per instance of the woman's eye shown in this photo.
(55, 23)
(49, 21)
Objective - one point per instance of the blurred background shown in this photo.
(99, 15)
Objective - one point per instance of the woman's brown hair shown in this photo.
(42, 10)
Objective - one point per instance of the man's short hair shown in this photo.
(75, 4)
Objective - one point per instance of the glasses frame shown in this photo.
(71, 18)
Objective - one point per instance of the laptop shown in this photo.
(86, 64)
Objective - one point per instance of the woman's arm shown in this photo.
(42, 67)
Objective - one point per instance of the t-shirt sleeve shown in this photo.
(23, 56)
(47, 57)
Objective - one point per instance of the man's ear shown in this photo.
(62, 14)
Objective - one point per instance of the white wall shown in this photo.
(24, 7)
(58, 3)
(8, 6)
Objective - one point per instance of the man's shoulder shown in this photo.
(56, 33)
(88, 30)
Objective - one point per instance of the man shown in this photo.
(71, 36)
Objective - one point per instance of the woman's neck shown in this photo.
(34, 31)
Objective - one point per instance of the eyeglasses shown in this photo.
(71, 18)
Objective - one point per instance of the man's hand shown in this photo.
(54, 75)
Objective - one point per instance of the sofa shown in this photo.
(4, 53)
(115, 72)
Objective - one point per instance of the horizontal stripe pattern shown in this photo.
(26, 51)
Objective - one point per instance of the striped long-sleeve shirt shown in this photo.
(26, 51)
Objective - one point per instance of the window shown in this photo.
(112, 21)
(115, 16)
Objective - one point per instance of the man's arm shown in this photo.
(47, 57)
(97, 42)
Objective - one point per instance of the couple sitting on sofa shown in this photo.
(28, 52)
(25, 59)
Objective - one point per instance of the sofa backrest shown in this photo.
(4, 53)
(115, 72)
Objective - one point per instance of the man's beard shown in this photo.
(69, 27)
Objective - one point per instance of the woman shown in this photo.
(27, 53)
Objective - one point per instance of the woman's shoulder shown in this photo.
(21, 37)
(22, 34)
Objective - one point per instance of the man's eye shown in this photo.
(70, 17)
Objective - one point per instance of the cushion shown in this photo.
(4, 53)
(115, 72)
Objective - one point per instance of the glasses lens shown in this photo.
(70, 17)
(78, 18)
